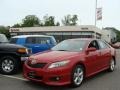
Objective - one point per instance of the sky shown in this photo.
(13, 11)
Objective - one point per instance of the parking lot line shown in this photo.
(13, 77)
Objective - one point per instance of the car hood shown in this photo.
(53, 56)
(8, 45)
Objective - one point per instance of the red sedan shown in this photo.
(70, 62)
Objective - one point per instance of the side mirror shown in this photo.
(91, 49)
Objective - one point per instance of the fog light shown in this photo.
(55, 78)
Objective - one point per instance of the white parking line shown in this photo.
(13, 77)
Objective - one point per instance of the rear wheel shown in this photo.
(112, 65)
(9, 65)
(77, 76)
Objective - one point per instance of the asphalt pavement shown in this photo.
(102, 81)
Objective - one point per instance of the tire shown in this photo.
(77, 76)
(112, 65)
(9, 65)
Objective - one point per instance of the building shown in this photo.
(60, 32)
(109, 35)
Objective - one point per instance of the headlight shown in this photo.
(22, 50)
(32, 61)
(59, 64)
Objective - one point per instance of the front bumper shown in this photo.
(61, 76)
(24, 58)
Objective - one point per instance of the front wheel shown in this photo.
(8, 65)
(112, 65)
(77, 76)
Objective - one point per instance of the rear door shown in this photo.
(105, 53)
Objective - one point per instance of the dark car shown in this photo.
(11, 56)
(70, 62)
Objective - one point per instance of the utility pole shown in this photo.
(95, 12)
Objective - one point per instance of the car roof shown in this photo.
(25, 36)
(86, 39)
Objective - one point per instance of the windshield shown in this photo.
(70, 45)
(13, 40)
(3, 38)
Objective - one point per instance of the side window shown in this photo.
(30, 40)
(94, 44)
(102, 44)
(38, 40)
(45, 40)
(42, 40)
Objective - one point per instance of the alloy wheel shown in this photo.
(7, 65)
(78, 76)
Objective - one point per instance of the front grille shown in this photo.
(37, 65)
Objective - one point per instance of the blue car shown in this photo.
(37, 43)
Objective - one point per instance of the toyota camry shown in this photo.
(70, 62)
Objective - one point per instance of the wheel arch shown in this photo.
(114, 58)
(83, 65)
(8, 54)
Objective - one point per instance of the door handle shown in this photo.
(100, 53)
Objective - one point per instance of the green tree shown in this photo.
(74, 20)
(16, 25)
(70, 20)
(117, 33)
(57, 24)
(5, 30)
(118, 36)
(67, 20)
(50, 21)
(31, 21)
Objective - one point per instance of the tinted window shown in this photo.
(13, 40)
(30, 40)
(70, 45)
(94, 44)
(38, 40)
(102, 44)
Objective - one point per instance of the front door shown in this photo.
(93, 59)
